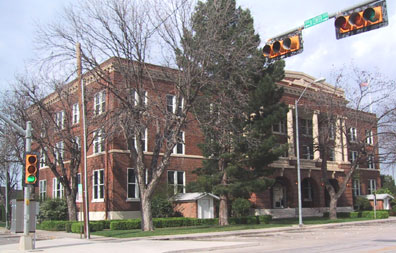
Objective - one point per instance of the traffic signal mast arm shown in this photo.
(350, 21)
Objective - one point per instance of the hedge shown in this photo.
(265, 219)
(77, 227)
(244, 220)
(381, 214)
(54, 225)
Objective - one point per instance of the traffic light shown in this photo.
(283, 46)
(31, 169)
(361, 19)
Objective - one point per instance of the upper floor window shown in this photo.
(331, 131)
(352, 134)
(176, 181)
(133, 187)
(307, 152)
(279, 127)
(75, 114)
(79, 197)
(179, 147)
(98, 184)
(43, 159)
(305, 126)
(372, 186)
(59, 151)
(369, 137)
(174, 106)
(60, 119)
(370, 162)
(137, 98)
(99, 102)
(98, 141)
(57, 188)
(144, 141)
(331, 154)
(353, 156)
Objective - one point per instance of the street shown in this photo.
(356, 237)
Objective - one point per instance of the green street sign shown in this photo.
(316, 20)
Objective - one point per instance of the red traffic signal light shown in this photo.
(360, 20)
(31, 169)
(284, 46)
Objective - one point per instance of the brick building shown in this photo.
(112, 187)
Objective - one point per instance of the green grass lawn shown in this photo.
(2, 224)
(216, 228)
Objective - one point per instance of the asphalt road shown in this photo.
(358, 238)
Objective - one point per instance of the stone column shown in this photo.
(290, 131)
(315, 134)
(338, 141)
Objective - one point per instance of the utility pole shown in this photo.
(25, 242)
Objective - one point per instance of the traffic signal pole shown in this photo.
(25, 242)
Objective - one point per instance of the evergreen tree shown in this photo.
(238, 107)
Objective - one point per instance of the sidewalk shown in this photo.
(59, 242)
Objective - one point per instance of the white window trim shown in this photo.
(305, 126)
(353, 134)
(55, 189)
(98, 139)
(99, 102)
(137, 98)
(372, 186)
(75, 114)
(43, 159)
(281, 126)
(355, 187)
(145, 141)
(369, 137)
(60, 119)
(41, 190)
(175, 180)
(137, 197)
(79, 197)
(98, 186)
(309, 154)
(174, 109)
(180, 143)
(370, 162)
(59, 149)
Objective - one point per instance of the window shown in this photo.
(307, 152)
(77, 142)
(144, 141)
(99, 102)
(369, 137)
(331, 131)
(136, 97)
(356, 187)
(279, 128)
(352, 134)
(370, 162)
(331, 154)
(372, 186)
(179, 147)
(98, 185)
(307, 190)
(133, 187)
(59, 151)
(98, 142)
(306, 127)
(60, 119)
(75, 114)
(57, 188)
(171, 104)
(176, 181)
(43, 189)
(353, 156)
(43, 159)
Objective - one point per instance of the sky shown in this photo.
(322, 55)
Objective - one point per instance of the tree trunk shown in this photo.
(333, 208)
(147, 221)
(223, 210)
(71, 207)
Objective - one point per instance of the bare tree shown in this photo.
(350, 125)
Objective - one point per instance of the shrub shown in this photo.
(78, 227)
(379, 214)
(54, 225)
(162, 223)
(53, 209)
(125, 224)
(265, 219)
(240, 207)
(362, 204)
(161, 207)
(244, 220)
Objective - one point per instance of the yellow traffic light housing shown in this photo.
(31, 169)
(284, 46)
(360, 20)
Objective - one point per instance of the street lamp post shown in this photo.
(298, 152)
